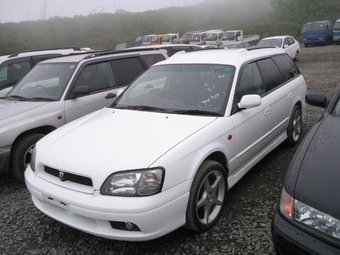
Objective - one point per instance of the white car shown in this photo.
(166, 152)
(286, 42)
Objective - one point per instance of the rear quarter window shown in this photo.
(152, 59)
(271, 75)
(287, 67)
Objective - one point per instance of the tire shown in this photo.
(294, 126)
(21, 154)
(306, 45)
(207, 197)
(297, 55)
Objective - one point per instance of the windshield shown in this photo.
(337, 25)
(195, 37)
(270, 42)
(228, 36)
(44, 81)
(211, 37)
(183, 89)
(166, 38)
(313, 27)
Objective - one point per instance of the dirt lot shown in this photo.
(244, 227)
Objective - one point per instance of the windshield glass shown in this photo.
(270, 42)
(211, 37)
(313, 27)
(184, 89)
(44, 81)
(195, 37)
(337, 25)
(166, 38)
(228, 36)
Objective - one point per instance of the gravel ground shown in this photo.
(244, 227)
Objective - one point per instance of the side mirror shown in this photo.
(249, 101)
(81, 91)
(316, 99)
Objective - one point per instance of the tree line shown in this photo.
(106, 30)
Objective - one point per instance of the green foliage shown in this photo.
(105, 30)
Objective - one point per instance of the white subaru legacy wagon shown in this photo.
(166, 152)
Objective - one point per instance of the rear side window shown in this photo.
(271, 75)
(126, 70)
(152, 59)
(288, 69)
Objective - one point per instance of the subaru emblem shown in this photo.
(61, 176)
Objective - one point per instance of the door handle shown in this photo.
(267, 111)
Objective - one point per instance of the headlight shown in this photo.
(295, 210)
(32, 162)
(134, 183)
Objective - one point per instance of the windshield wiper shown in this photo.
(37, 99)
(15, 97)
(145, 108)
(197, 112)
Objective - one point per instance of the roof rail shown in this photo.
(262, 47)
(107, 52)
(45, 49)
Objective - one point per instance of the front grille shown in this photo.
(64, 176)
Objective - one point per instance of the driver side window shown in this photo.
(250, 82)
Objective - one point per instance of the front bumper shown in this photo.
(289, 239)
(336, 38)
(155, 215)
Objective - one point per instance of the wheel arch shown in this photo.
(40, 130)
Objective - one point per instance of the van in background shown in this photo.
(336, 32)
(317, 32)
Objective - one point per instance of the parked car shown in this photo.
(166, 152)
(307, 220)
(185, 38)
(286, 42)
(59, 90)
(237, 45)
(16, 65)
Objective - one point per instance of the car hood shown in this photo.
(112, 140)
(317, 181)
(12, 108)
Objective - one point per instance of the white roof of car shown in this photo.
(276, 37)
(100, 54)
(234, 57)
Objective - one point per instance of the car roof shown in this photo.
(222, 56)
(47, 51)
(100, 54)
(276, 37)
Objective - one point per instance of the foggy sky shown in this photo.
(31, 10)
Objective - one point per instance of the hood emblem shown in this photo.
(61, 176)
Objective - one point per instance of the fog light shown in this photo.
(129, 225)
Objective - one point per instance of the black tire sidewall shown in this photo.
(19, 149)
